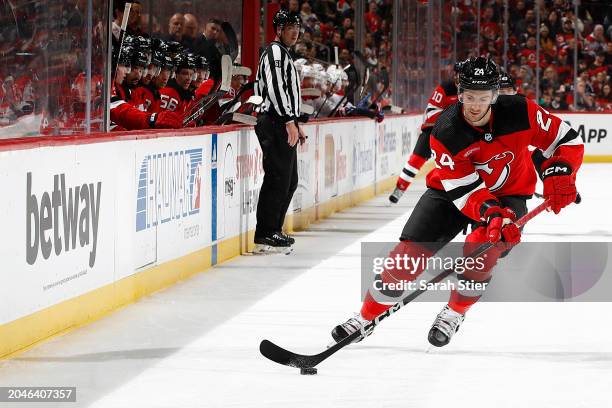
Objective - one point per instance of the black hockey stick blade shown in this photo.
(232, 40)
(285, 357)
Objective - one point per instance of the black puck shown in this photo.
(308, 371)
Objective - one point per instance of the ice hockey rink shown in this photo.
(196, 344)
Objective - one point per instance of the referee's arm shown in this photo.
(281, 90)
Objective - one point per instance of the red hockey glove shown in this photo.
(166, 120)
(559, 186)
(501, 226)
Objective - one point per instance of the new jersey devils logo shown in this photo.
(496, 170)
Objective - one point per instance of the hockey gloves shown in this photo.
(166, 120)
(501, 226)
(559, 186)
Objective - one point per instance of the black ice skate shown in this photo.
(446, 324)
(396, 195)
(349, 327)
(287, 237)
(273, 244)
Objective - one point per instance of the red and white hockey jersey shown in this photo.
(476, 164)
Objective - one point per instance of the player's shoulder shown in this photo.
(450, 131)
(511, 102)
(511, 114)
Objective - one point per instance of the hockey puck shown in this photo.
(308, 371)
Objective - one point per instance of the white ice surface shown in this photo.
(196, 344)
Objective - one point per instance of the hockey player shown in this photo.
(202, 72)
(483, 177)
(442, 97)
(145, 95)
(176, 96)
(123, 115)
(507, 86)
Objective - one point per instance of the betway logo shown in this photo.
(68, 212)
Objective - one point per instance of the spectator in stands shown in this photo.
(608, 59)
(372, 19)
(521, 26)
(604, 99)
(294, 7)
(554, 23)
(547, 44)
(306, 11)
(596, 41)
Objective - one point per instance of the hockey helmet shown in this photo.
(283, 18)
(479, 74)
(506, 80)
(182, 61)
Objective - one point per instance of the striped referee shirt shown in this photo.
(278, 82)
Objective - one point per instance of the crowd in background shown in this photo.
(330, 24)
(558, 27)
(42, 50)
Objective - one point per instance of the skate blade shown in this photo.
(270, 250)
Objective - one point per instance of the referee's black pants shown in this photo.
(280, 174)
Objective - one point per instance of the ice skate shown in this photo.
(273, 244)
(446, 324)
(287, 237)
(396, 195)
(349, 327)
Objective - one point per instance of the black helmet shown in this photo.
(140, 59)
(457, 67)
(143, 43)
(201, 62)
(182, 61)
(157, 44)
(479, 74)
(506, 80)
(157, 58)
(174, 47)
(125, 59)
(168, 63)
(283, 18)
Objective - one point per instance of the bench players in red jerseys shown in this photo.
(176, 96)
(483, 177)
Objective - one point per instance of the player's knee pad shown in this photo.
(482, 264)
(409, 261)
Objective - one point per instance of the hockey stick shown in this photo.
(204, 104)
(227, 68)
(285, 357)
(311, 92)
(578, 199)
(124, 22)
(229, 104)
(349, 90)
(323, 104)
(232, 40)
(307, 109)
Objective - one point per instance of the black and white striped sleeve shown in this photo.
(278, 82)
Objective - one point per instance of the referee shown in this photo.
(278, 132)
